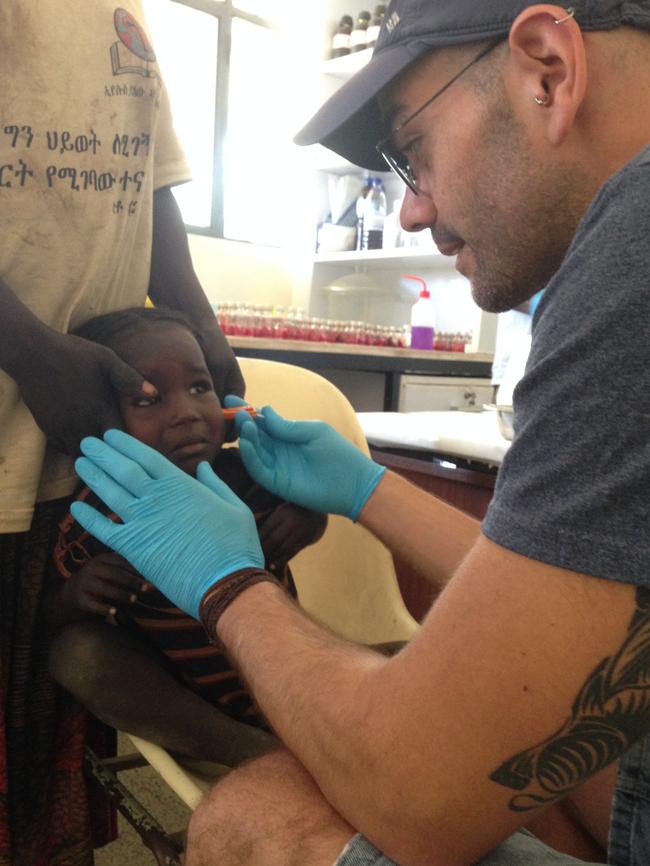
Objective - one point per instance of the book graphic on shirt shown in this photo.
(133, 52)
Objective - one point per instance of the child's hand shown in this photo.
(287, 530)
(103, 585)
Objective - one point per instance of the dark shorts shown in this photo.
(521, 849)
(629, 833)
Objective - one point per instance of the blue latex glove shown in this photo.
(181, 533)
(306, 462)
(534, 302)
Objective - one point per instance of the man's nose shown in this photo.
(418, 211)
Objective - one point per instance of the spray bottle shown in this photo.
(422, 317)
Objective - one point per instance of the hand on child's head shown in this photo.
(184, 420)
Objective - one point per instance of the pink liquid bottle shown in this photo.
(422, 317)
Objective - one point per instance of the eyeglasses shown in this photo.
(397, 160)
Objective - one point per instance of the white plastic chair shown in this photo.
(347, 580)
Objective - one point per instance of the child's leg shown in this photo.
(124, 683)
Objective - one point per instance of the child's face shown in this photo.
(185, 422)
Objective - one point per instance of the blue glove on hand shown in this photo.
(306, 462)
(181, 533)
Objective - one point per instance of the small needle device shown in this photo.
(230, 413)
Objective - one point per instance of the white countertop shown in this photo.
(472, 435)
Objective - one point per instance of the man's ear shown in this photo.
(549, 66)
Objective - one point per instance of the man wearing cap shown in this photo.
(522, 132)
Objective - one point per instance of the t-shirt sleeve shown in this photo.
(170, 165)
(574, 489)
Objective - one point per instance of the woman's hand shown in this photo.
(72, 392)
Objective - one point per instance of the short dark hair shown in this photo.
(105, 328)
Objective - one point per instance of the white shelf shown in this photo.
(331, 163)
(346, 66)
(389, 258)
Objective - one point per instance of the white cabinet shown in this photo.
(442, 394)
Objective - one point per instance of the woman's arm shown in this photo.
(174, 283)
(68, 384)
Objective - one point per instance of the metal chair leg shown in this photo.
(163, 848)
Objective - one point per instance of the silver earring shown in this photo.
(542, 100)
(570, 13)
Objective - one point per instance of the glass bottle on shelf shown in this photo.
(360, 204)
(359, 35)
(341, 39)
(392, 227)
(374, 214)
(374, 27)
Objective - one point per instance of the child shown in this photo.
(156, 675)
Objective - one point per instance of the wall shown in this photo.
(233, 271)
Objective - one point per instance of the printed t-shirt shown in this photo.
(86, 137)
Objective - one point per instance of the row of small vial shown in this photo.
(268, 322)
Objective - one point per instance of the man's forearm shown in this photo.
(423, 752)
(293, 652)
(431, 536)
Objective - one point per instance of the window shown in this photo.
(187, 45)
(229, 81)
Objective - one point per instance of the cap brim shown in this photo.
(350, 122)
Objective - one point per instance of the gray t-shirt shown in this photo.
(574, 489)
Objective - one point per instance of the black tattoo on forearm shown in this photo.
(610, 713)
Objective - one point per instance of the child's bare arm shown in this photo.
(287, 529)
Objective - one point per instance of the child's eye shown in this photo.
(202, 387)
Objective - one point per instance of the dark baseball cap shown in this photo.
(350, 122)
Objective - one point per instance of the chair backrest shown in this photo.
(346, 580)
